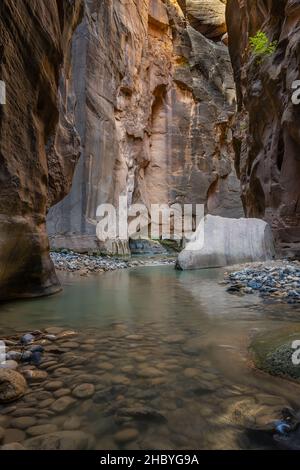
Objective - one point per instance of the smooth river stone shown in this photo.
(23, 422)
(12, 385)
(126, 435)
(36, 375)
(62, 404)
(190, 372)
(71, 424)
(42, 429)
(54, 330)
(84, 390)
(13, 435)
(2, 433)
(55, 385)
(149, 372)
(70, 345)
(61, 440)
(106, 366)
(175, 339)
(62, 392)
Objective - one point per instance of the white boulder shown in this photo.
(220, 242)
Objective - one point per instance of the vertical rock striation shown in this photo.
(155, 103)
(267, 139)
(39, 145)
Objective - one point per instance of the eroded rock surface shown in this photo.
(155, 104)
(219, 242)
(39, 145)
(267, 140)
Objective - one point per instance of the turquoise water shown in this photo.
(177, 334)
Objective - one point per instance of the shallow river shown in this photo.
(166, 353)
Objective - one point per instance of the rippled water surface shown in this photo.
(165, 354)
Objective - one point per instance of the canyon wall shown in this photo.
(155, 102)
(39, 145)
(267, 136)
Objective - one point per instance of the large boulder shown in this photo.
(219, 241)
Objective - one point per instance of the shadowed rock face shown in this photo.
(155, 104)
(39, 145)
(267, 139)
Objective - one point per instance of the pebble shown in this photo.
(149, 372)
(126, 435)
(27, 338)
(55, 385)
(13, 435)
(72, 423)
(84, 390)
(23, 423)
(62, 392)
(12, 365)
(279, 281)
(35, 375)
(41, 429)
(62, 404)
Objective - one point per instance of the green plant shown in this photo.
(261, 46)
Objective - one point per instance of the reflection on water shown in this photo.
(166, 355)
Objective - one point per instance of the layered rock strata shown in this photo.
(267, 139)
(155, 101)
(39, 145)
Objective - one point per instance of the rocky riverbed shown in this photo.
(278, 281)
(84, 264)
(125, 388)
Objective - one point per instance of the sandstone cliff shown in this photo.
(39, 146)
(155, 101)
(267, 139)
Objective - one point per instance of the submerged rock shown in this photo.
(219, 241)
(12, 385)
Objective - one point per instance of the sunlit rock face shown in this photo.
(39, 145)
(267, 139)
(155, 101)
(207, 17)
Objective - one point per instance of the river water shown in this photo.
(166, 354)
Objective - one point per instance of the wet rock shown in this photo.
(62, 392)
(72, 424)
(191, 373)
(23, 412)
(42, 429)
(126, 435)
(62, 440)
(27, 339)
(13, 446)
(84, 391)
(12, 385)
(13, 435)
(54, 385)
(35, 375)
(143, 413)
(62, 404)
(23, 423)
(149, 372)
(278, 281)
(54, 330)
(12, 365)
(14, 355)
